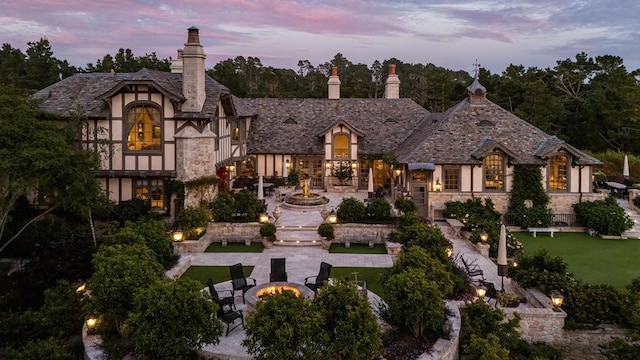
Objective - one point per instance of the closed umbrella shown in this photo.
(502, 254)
(260, 188)
(285, 172)
(625, 167)
(370, 188)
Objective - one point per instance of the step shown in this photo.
(633, 234)
(297, 236)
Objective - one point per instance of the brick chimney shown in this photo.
(176, 64)
(392, 85)
(193, 73)
(334, 84)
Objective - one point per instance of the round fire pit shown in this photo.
(254, 294)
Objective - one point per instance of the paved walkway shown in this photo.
(305, 261)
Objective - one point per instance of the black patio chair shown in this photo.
(319, 280)
(492, 293)
(239, 281)
(472, 270)
(229, 316)
(227, 300)
(278, 270)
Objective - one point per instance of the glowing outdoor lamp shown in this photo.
(556, 300)
(288, 164)
(481, 291)
(449, 252)
(327, 164)
(354, 165)
(438, 185)
(333, 217)
(177, 235)
(81, 288)
(92, 321)
(398, 172)
(263, 218)
(484, 236)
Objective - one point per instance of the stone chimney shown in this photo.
(392, 85)
(176, 64)
(334, 84)
(193, 73)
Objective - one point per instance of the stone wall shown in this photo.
(561, 202)
(216, 231)
(381, 232)
(447, 349)
(538, 324)
(194, 157)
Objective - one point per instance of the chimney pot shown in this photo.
(392, 69)
(179, 53)
(193, 37)
(334, 71)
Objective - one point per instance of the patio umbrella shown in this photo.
(502, 254)
(370, 188)
(260, 188)
(285, 173)
(625, 167)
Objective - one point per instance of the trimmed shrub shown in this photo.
(268, 230)
(481, 320)
(418, 258)
(148, 232)
(223, 207)
(405, 205)
(378, 209)
(247, 205)
(480, 348)
(604, 216)
(351, 210)
(132, 210)
(192, 218)
(325, 230)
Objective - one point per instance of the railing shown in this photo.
(558, 219)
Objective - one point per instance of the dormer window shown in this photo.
(558, 173)
(341, 146)
(144, 129)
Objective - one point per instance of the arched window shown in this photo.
(144, 129)
(494, 172)
(341, 146)
(558, 173)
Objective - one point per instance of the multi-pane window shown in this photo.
(144, 129)
(452, 178)
(215, 129)
(151, 190)
(341, 146)
(494, 172)
(558, 173)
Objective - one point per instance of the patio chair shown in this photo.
(227, 300)
(229, 316)
(492, 293)
(239, 281)
(319, 280)
(278, 270)
(472, 270)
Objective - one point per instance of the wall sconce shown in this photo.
(327, 164)
(263, 218)
(288, 164)
(438, 185)
(398, 172)
(484, 236)
(333, 217)
(556, 300)
(177, 235)
(231, 167)
(354, 165)
(481, 292)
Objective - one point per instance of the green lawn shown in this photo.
(370, 275)
(358, 249)
(217, 273)
(256, 247)
(590, 258)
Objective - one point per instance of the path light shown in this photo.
(177, 235)
(81, 288)
(481, 291)
(484, 236)
(556, 300)
(333, 217)
(92, 321)
(449, 252)
(263, 218)
(514, 264)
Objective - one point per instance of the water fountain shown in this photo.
(306, 199)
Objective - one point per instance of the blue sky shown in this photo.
(450, 34)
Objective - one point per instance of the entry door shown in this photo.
(311, 167)
(419, 194)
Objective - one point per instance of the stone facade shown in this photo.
(216, 231)
(194, 158)
(561, 202)
(381, 232)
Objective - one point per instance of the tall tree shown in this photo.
(41, 67)
(12, 62)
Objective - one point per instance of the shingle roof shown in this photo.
(81, 92)
(291, 126)
(453, 137)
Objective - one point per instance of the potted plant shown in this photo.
(507, 299)
(293, 178)
(325, 230)
(268, 233)
(343, 172)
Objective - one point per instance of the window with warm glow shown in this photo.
(151, 190)
(452, 178)
(341, 146)
(494, 172)
(144, 128)
(558, 173)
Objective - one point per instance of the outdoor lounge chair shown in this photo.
(319, 280)
(239, 281)
(492, 293)
(227, 300)
(278, 270)
(472, 270)
(229, 316)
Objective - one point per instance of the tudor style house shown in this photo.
(184, 125)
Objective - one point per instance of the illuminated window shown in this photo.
(341, 146)
(144, 128)
(151, 190)
(558, 173)
(452, 178)
(494, 172)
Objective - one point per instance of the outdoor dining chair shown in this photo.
(315, 282)
(278, 270)
(229, 316)
(240, 282)
(227, 300)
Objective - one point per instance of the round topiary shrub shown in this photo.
(378, 209)
(268, 230)
(405, 205)
(325, 230)
(351, 210)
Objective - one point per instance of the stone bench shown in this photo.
(237, 238)
(358, 239)
(535, 230)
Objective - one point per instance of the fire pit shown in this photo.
(254, 294)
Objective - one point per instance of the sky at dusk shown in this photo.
(447, 33)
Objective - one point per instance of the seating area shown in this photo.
(240, 282)
(535, 230)
(472, 269)
(315, 282)
(278, 270)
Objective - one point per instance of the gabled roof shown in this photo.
(85, 93)
(293, 126)
(553, 145)
(340, 121)
(462, 136)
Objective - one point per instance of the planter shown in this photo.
(326, 243)
(268, 241)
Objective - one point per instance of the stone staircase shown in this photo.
(300, 235)
(634, 232)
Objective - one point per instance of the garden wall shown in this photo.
(447, 349)
(380, 232)
(216, 231)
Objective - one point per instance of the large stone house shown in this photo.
(184, 125)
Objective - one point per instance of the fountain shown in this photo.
(306, 199)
